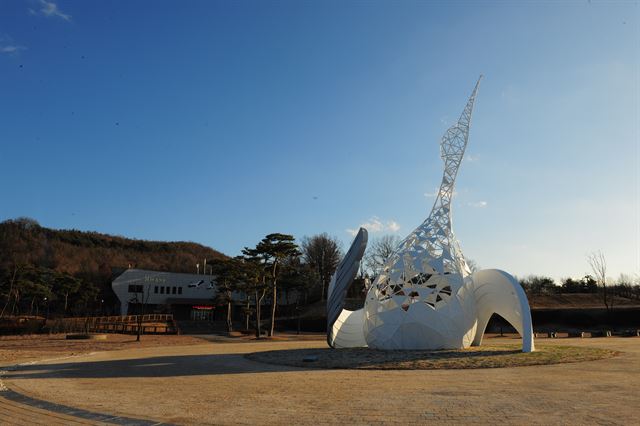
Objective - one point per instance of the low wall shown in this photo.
(543, 320)
(587, 317)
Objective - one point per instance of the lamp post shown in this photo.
(139, 318)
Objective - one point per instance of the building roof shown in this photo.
(190, 301)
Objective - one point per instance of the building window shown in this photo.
(173, 290)
(179, 290)
(155, 289)
(162, 290)
(133, 288)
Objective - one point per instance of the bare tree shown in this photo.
(11, 292)
(322, 252)
(598, 265)
(379, 252)
(473, 265)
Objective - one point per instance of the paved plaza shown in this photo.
(213, 383)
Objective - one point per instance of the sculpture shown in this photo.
(426, 297)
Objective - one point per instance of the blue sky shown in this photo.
(220, 122)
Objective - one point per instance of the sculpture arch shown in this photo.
(497, 292)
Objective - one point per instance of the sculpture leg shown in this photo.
(482, 325)
(498, 292)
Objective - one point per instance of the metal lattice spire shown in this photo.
(432, 249)
(436, 233)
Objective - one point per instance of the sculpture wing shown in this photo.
(337, 292)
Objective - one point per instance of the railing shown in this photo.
(127, 324)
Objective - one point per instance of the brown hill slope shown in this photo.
(77, 252)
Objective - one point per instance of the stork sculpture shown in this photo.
(426, 297)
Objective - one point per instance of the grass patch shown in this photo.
(491, 356)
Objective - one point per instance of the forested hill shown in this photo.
(91, 257)
(74, 252)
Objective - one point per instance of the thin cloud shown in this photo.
(8, 46)
(510, 95)
(471, 158)
(478, 204)
(375, 225)
(50, 9)
(11, 49)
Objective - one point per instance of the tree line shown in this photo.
(267, 274)
(69, 272)
(597, 282)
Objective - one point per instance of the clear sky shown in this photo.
(221, 121)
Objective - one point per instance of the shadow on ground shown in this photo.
(236, 363)
(494, 356)
(160, 366)
(308, 358)
(365, 358)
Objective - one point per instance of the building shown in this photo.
(186, 296)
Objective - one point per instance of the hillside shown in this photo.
(90, 257)
(74, 251)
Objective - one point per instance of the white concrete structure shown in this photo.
(164, 288)
(426, 296)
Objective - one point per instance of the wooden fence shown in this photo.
(128, 324)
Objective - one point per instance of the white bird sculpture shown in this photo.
(426, 297)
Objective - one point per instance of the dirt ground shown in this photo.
(17, 349)
(214, 383)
